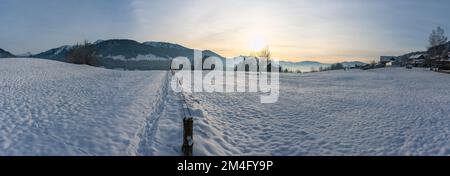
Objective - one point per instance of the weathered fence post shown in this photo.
(188, 137)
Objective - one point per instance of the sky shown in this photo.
(296, 30)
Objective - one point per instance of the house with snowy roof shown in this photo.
(390, 61)
(417, 60)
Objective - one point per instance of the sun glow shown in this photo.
(257, 43)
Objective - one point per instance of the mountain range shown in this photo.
(132, 55)
(5, 54)
(306, 66)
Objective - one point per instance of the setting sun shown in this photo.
(257, 43)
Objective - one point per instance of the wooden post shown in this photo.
(188, 137)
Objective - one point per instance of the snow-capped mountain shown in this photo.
(58, 54)
(5, 54)
(98, 41)
(143, 56)
(27, 54)
(131, 49)
(353, 63)
(130, 54)
(306, 66)
(165, 45)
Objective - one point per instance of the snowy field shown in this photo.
(391, 111)
(54, 108)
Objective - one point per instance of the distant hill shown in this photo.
(57, 54)
(5, 54)
(353, 63)
(165, 45)
(27, 54)
(304, 66)
(407, 55)
(307, 66)
(130, 54)
(404, 57)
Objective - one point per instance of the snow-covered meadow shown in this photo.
(392, 111)
(55, 108)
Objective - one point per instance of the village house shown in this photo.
(438, 57)
(390, 61)
(417, 60)
(444, 63)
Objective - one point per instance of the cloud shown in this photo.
(295, 29)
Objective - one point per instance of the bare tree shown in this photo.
(437, 37)
(373, 63)
(265, 53)
(82, 54)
